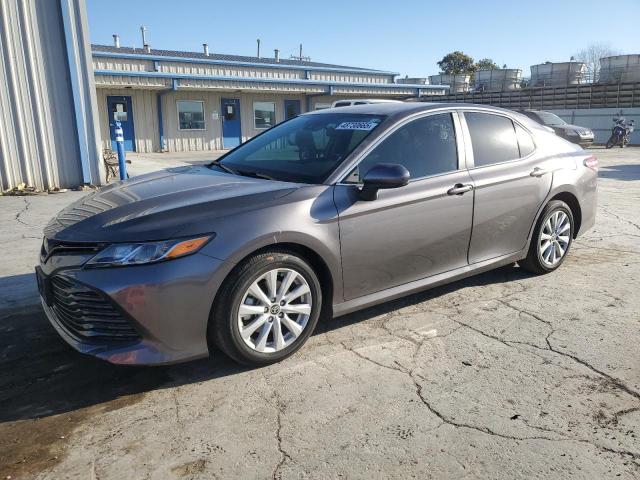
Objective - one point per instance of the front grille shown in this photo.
(87, 315)
(54, 247)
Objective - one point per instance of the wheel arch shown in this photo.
(329, 282)
(571, 200)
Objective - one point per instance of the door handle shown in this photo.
(459, 189)
(538, 172)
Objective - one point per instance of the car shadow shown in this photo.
(41, 376)
(620, 172)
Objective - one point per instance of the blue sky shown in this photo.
(407, 36)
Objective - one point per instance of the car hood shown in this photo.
(171, 203)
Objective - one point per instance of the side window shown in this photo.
(525, 142)
(493, 138)
(425, 147)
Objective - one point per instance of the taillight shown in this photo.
(591, 162)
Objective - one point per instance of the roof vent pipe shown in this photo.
(143, 31)
(205, 48)
(116, 41)
(276, 54)
(147, 48)
(258, 40)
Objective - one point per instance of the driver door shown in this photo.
(411, 232)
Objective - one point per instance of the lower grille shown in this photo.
(87, 315)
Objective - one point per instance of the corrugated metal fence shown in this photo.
(47, 95)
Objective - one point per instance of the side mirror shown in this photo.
(383, 175)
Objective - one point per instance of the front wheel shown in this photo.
(551, 239)
(266, 309)
(611, 142)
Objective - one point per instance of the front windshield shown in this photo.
(550, 119)
(305, 149)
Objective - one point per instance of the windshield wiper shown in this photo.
(217, 163)
(254, 174)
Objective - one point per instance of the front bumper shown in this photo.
(582, 140)
(167, 305)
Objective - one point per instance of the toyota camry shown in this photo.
(326, 213)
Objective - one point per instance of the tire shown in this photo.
(611, 142)
(238, 290)
(536, 261)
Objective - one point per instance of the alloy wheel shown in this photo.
(274, 310)
(555, 238)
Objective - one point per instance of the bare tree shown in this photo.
(591, 56)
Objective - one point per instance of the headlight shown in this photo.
(120, 254)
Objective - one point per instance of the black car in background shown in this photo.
(581, 135)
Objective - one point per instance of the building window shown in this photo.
(190, 115)
(264, 114)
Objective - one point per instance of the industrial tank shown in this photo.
(619, 69)
(498, 80)
(557, 74)
(458, 83)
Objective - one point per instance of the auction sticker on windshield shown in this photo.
(357, 126)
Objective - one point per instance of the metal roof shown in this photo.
(105, 50)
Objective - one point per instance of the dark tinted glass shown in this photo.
(425, 147)
(493, 138)
(524, 141)
(305, 149)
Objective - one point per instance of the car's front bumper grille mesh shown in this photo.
(87, 315)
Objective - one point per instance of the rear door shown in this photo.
(510, 184)
(411, 232)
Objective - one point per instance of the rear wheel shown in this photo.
(551, 239)
(266, 309)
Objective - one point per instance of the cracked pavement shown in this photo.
(502, 375)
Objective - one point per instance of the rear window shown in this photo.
(525, 142)
(493, 138)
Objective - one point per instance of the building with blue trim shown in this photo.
(188, 101)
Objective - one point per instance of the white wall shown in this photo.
(145, 117)
(600, 120)
(46, 125)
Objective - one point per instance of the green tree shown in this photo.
(486, 64)
(456, 62)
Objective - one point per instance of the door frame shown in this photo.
(341, 173)
(129, 101)
(239, 115)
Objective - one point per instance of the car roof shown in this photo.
(407, 108)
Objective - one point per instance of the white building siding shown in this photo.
(211, 138)
(43, 137)
(116, 81)
(340, 77)
(127, 65)
(228, 70)
(145, 118)
(212, 69)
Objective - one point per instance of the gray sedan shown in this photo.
(324, 214)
